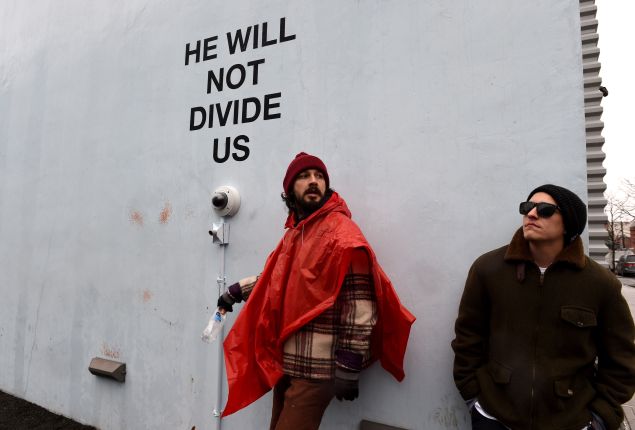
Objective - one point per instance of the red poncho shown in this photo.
(301, 279)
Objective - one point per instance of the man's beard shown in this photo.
(306, 208)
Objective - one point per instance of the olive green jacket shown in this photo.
(541, 352)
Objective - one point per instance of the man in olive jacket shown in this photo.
(544, 338)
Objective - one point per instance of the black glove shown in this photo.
(346, 385)
(226, 302)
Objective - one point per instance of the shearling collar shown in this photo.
(518, 250)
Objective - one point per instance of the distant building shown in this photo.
(624, 233)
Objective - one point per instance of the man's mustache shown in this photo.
(313, 191)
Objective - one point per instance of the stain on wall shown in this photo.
(136, 218)
(164, 217)
(147, 296)
(452, 413)
(110, 351)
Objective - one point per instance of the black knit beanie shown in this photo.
(573, 209)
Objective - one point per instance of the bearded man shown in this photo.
(320, 312)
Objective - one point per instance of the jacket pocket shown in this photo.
(500, 373)
(564, 393)
(573, 393)
(578, 316)
(563, 388)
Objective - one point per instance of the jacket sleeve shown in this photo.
(472, 333)
(241, 290)
(615, 378)
(357, 314)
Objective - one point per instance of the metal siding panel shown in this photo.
(594, 126)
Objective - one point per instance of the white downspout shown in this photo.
(226, 202)
(222, 286)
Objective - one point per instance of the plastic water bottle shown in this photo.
(214, 327)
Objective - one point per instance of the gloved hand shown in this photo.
(225, 302)
(346, 385)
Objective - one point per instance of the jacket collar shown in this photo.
(518, 250)
(334, 204)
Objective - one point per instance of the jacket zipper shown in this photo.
(533, 361)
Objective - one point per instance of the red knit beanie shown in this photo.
(301, 162)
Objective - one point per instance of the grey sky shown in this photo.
(617, 35)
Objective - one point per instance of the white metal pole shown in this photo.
(221, 281)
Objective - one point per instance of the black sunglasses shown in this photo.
(544, 210)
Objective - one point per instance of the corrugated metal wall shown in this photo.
(594, 125)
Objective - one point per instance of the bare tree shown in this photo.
(628, 191)
(613, 228)
(620, 209)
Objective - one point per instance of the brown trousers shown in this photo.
(299, 404)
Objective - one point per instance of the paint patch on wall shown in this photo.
(110, 351)
(136, 218)
(147, 296)
(164, 217)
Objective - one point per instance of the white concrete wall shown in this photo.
(434, 118)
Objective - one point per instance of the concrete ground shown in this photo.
(18, 414)
(628, 290)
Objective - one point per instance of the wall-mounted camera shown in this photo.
(226, 200)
